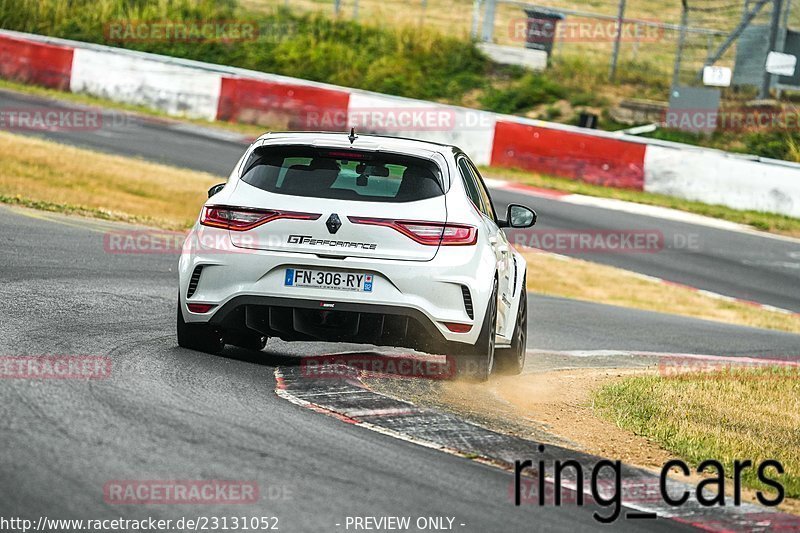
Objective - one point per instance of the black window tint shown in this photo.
(487, 200)
(469, 183)
(343, 174)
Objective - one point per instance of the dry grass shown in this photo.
(582, 280)
(736, 414)
(82, 180)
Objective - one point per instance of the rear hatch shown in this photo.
(340, 203)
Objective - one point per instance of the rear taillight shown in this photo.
(428, 233)
(243, 219)
(458, 328)
(200, 308)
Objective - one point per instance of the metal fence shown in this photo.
(624, 33)
(751, 29)
(667, 41)
(670, 41)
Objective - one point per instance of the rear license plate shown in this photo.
(324, 279)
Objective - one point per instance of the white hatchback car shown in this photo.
(368, 239)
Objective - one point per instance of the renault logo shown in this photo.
(333, 223)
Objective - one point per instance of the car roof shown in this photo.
(363, 141)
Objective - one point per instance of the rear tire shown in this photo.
(200, 337)
(476, 362)
(511, 361)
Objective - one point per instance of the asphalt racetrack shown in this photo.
(171, 413)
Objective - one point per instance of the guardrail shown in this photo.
(194, 89)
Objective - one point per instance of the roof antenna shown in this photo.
(352, 135)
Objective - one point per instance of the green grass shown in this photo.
(395, 56)
(726, 415)
(774, 223)
(401, 59)
(529, 91)
(404, 61)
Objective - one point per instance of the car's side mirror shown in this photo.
(215, 189)
(519, 217)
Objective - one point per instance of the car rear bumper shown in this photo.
(295, 319)
(417, 297)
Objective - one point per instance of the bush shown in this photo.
(772, 144)
(405, 61)
(531, 90)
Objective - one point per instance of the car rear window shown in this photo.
(343, 174)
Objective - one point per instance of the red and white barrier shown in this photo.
(288, 105)
(201, 90)
(597, 159)
(172, 88)
(716, 177)
(34, 62)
